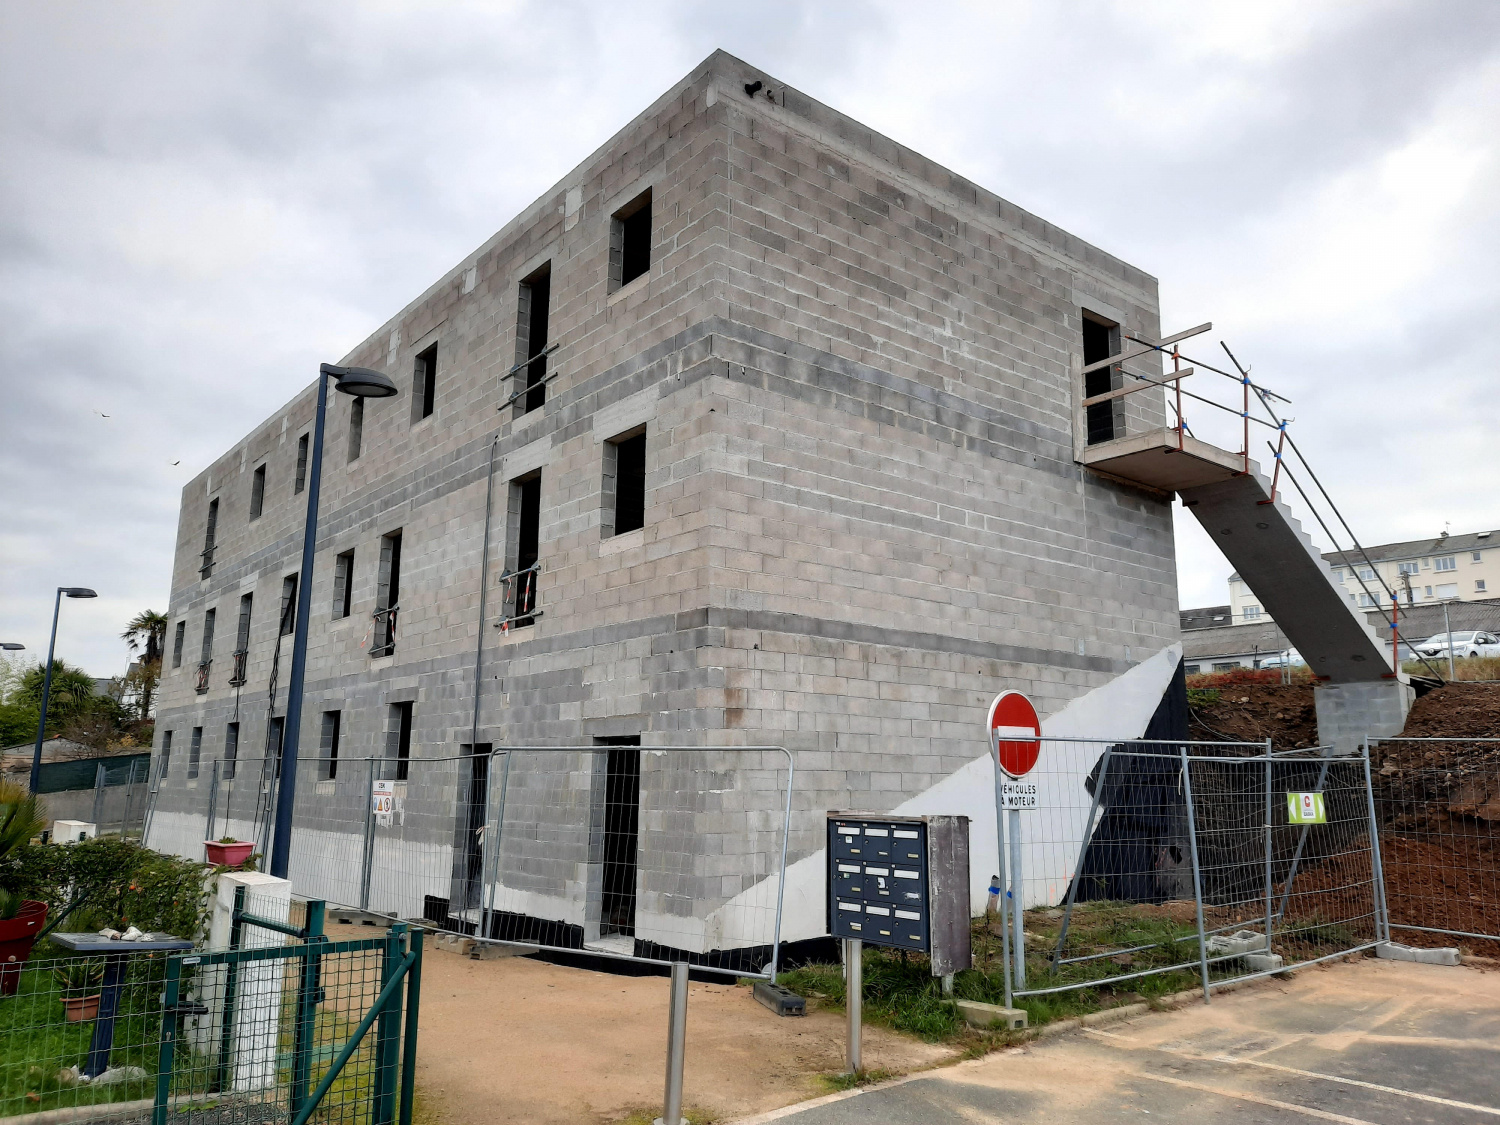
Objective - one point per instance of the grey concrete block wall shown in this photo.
(863, 514)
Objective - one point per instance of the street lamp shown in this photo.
(41, 723)
(361, 382)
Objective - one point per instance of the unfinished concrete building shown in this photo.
(784, 433)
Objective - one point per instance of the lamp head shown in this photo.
(11, 646)
(362, 382)
(79, 592)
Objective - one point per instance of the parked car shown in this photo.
(1471, 643)
(1286, 659)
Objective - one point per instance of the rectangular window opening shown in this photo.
(300, 482)
(257, 491)
(1448, 562)
(242, 640)
(273, 742)
(231, 750)
(533, 310)
(524, 533)
(206, 653)
(288, 604)
(356, 426)
(621, 819)
(195, 752)
(624, 485)
(1479, 587)
(328, 746)
(210, 531)
(472, 817)
(166, 755)
(177, 641)
(400, 739)
(343, 584)
(1103, 420)
(424, 383)
(387, 596)
(630, 241)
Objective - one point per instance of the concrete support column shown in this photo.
(1349, 712)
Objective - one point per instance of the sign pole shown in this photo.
(1000, 846)
(1018, 946)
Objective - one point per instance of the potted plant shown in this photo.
(80, 982)
(228, 852)
(21, 919)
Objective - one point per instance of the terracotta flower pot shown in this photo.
(228, 855)
(17, 936)
(80, 1009)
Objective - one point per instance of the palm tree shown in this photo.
(149, 628)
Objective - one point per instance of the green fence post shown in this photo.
(409, 1045)
(388, 1038)
(231, 988)
(170, 997)
(309, 993)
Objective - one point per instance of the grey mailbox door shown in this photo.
(877, 881)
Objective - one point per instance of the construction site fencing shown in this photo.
(1187, 858)
(647, 854)
(1438, 803)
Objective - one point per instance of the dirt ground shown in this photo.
(1363, 1043)
(1254, 712)
(519, 1040)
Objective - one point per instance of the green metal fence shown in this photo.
(305, 1029)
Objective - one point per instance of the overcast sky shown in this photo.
(201, 201)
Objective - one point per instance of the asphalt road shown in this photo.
(1371, 1043)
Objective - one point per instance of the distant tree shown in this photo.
(17, 724)
(146, 629)
(72, 693)
(12, 668)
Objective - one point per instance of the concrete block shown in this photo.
(1262, 962)
(71, 831)
(782, 1001)
(488, 952)
(454, 943)
(1242, 941)
(1395, 951)
(986, 1016)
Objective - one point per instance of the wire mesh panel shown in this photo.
(1182, 857)
(1438, 801)
(52, 1052)
(651, 853)
(240, 800)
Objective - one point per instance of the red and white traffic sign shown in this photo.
(1015, 733)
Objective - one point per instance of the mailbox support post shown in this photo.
(854, 995)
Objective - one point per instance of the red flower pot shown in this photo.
(228, 855)
(81, 1009)
(17, 936)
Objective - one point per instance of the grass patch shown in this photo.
(647, 1116)
(834, 1083)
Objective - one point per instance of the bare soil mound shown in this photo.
(1255, 712)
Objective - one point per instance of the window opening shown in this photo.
(1479, 587)
(622, 814)
(195, 752)
(1100, 341)
(210, 530)
(1447, 562)
(343, 583)
(424, 383)
(387, 597)
(231, 750)
(356, 426)
(206, 654)
(257, 491)
(166, 754)
(288, 604)
(329, 745)
(242, 640)
(624, 488)
(301, 479)
(177, 641)
(400, 739)
(273, 738)
(521, 579)
(1407, 568)
(630, 241)
(533, 312)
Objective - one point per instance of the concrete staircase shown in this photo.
(1358, 691)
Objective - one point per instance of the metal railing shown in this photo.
(201, 686)
(237, 670)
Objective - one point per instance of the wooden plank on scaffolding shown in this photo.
(1167, 381)
(1151, 346)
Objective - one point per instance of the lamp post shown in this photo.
(41, 723)
(361, 382)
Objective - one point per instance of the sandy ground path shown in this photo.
(518, 1040)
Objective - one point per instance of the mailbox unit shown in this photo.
(903, 882)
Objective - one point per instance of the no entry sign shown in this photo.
(1015, 733)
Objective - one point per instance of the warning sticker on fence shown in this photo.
(383, 798)
(1305, 808)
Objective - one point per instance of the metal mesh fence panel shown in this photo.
(1438, 802)
(1179, 859)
